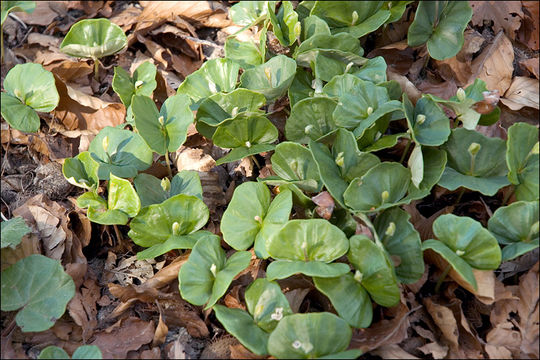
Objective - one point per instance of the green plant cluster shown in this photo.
(341, 106)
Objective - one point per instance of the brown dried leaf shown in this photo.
(528, 310)
(498, 352)
(238, 351)
(43, 14)
(392, 351)
(82, 308)
(406, 86)
(505, 15)
(528, 32)
(434, 349)
(325, 204)
(445, 320)
(193, 159)
(127, 18)
(200, 13)
(130, 334)
(161, 332)
(531, 65)
(177, 312)
(522, 92)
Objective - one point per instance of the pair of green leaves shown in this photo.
(82, 352)
(29, 88)
(152, 190)
(143, 82)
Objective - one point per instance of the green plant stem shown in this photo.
(460, 195)
(407, 147)
(473, 159)
(255, 161)
(442, 277)
(96, 69)
(168, 163)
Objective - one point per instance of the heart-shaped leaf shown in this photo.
(300, 87)
(93, 38)
(516, 226)
(82, 171)
(402, 242)
(245, 53)
(427, 122)
(373, 70)
(216, 75)
(266, 303)
(165, 130)
(285, 23)
(249, 212)
(151, 190)
(349, 298)
(207, 274)
(143, 82)
(29, 88)
(242, 326)
(282, 269)
(310, 118)
(440, 24)
(309, 336)
(179, 215)
(15, 6)
(120, 152)
(475, 162)
(39, 286)
(12, 232)
(172, 243)
(374, 270)
(248, 12)
(313, 25)
(82, 352)
(53, 352)
(522, 159)
(272, 79)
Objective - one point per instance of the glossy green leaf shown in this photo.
(245, 129)
(282, 269)
(294, 163)
(308, 240)
(122, 196)
(245, 53)
(82, 352)
(93, 38)
(285, 24)
(402, 242)
(53, 352)
(155, 224)
(39, 286)
(440, 24)
(266, 303)
(397, 8)
(348, 297)
(380, 188)
(240, 324)
(29, 88)
(216, 75)
(243, 152)
(373, 70)
(207, 274)
(120, 152)
(81, 171)
(427, 122)
(522, 159)
(516, 226)
(272, 79)
(12, 232)
(300, 87)
(310, 118)
(165, 130)
(352, 162)
(172, 243)
(247, 12)
(486, 172)
(143, 82)
(374, 270)
(313, 25)
(465, 235)
(16, 6)
(385, 142)
(309, 336)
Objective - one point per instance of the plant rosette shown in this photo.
(152, 190)
(143, 82)
(271, 79)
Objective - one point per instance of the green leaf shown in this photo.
(82, 171)
(216, 75)
(348, 297)
(285, 23)
(166, 130)
(28, 87)
(516, 226)
(381, 187)
(12, 232)
(522, 159)
(460, 265)
(246, 129)
(53, 352)
(272, 79)
(427, 122)
(355, 163)
(247, 12)
(385, 142)
(150, 188)
(397, 8)
(244, 151)
(87, 352)
(294, 163)
(122, 196)
(187, 182)
(310, 118)
(155, 224)
(440, 24)
(143, 82)
(462, 234)
(401, 241)
(172, 243)
(313, 25)
(93, 38)
(300, 87)
(373, 70)
(207, 274)
(245, 53)
(282, 269)
(39, 286)
(374, 270)
(241, 325)
(125, 155)
(309, 336)
(266, 303)
(308, 240)
(486, 172)
(16, 6)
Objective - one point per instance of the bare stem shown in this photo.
(118, 234)
(168, 163)
(96, 69)
(255, 161)
(460, 195)
(442, 277)
(407, 147)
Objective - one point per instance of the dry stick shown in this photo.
(118, 234)
(255, 161)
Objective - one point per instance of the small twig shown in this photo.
(118, 234)
(3, 216)
(16, 18)
(200, 41)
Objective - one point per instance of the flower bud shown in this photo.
(348, 67)
(105, 143)
(461, 94)
(277, 314)
(369, 110)
(176, 228)
(257, 218)
(354, 17)
(161, 120)
(460, 252)
(165, 184)
(308, 128)
(248, 144)
(234, 111)
(268, 74)
(213, 270)
(317, 85)
(384, 195)
(474, 148)
(420, 119)
(304, 245)
(340, 160)
(138, 84)
(358, 276)
(391, 229)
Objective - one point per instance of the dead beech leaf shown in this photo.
(43, 14)
(129, 335)
(522, 92)
(528, 32)
(127, 18)
(445, 320)
(434, 349)
(82, 308)
(424, 225)
(495, 64)
(531, 65)
(497, 352)
(238, 351)
(406, 86)
(505, 15)
(200, 13)
(392, 351)
(161, 332)
(528, 309)
(193, 159)
(325, 204)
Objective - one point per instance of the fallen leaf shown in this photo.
(531, 65)
(42, 15)
(528, 309)
(161, 332)
(193, 159)
(325, 204)
(528, 32)
(522, 92)
(497, 352)
(434, 349)
(238, 351)
(392, 351)
(445, 320)
(127, 18)
(505, 15)
(82, 308)
(406, 86)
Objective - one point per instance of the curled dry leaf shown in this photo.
(505, 15)
(161, 332)
(528, 33)
(434, 349)
(43, 14)
(522, 92)
(531, 65)
(82, 308)
(406, 86)
(325, 204)
(193, 159)
(529, 310)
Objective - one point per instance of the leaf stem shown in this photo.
(371, 227)
(96, 69)
(255, 161)
(407, 147)
(168, 163)
(442, 277)
(118, 234)
(460, 195)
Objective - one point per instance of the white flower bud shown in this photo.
(176, 228)
(105, 143)
(369, 110)
(391, 229)
(213, 270)
(308, 128)
(474, 148)
(348, 67)
(268, 74)
(161, 120)
(384, 195)
(354, 17)
(257, 218)
(358, 276)
(165, 184)
(234, 111)
(138, 84)
(460, 252)
(340, 160)
(461, 94)
(420, 119)
(248, 144)
(277, 314)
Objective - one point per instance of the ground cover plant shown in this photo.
(298, 190)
